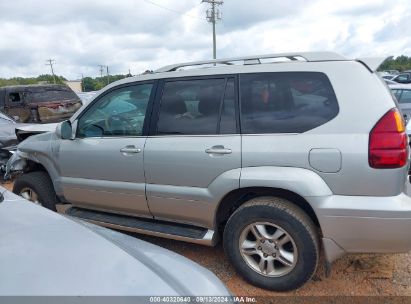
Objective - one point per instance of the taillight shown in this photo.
(388, 146)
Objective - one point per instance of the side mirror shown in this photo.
(64, 130)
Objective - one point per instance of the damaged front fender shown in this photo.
(16, 163)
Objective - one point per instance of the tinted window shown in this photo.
(403, 77)
(191, 106)
(285, 102)
(119, 113)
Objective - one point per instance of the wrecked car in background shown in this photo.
(12, 132)
(39, 103)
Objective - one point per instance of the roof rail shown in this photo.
(307, 56)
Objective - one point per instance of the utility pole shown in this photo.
(213, 15)
(82, 83)
(108, 79)
(101, 70)
(50, 63)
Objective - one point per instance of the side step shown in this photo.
(177, 231)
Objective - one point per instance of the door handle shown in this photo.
(219, 149)
(130, 150)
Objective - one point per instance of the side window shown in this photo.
(403, 77)
(191, 107)
(288, 102)
(119, 113)
(405, 97)
(15, 97)
(397, 94)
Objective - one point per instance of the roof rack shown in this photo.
(307, 56)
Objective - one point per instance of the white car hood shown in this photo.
(50, 127)
(44, 253)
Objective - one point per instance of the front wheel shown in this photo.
(272, 243)
(37, 188)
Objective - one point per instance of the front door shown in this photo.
(102, 168)
(193, 154)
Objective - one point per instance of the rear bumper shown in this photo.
(354, 224)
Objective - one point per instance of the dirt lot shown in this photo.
(359, 275)
(388, 275)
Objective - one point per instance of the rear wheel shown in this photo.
(272, 243)
(37, 188)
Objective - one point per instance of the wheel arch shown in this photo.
(234, 199)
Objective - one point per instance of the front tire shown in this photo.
(37, 188)
(272, 243)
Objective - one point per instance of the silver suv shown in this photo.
(276, 155)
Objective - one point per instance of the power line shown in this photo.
(213, 15)
(171, 10)
(50, 63)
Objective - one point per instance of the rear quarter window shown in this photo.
(285, 102)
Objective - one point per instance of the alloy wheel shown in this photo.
(268, 249)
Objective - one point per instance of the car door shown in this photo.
(102, 168)
(192, 156)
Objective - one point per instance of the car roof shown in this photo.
(36, 87)
(401, 86)
(257, 63)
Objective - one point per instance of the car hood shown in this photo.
(8, 134)
(23, 132)
(38, 127)
(44, 253)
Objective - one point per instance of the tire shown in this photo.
(281, 263)
(40, 184)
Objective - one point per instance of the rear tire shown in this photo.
(284, 255)
(39, 185)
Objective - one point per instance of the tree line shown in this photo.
(401, 63)
(89, 83)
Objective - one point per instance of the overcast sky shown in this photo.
(147, 34)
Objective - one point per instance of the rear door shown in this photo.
(194, 146)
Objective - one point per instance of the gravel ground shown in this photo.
(365, 275)
(359, 275)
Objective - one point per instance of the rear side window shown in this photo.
(403, 96)
(195, 107)
(289, 102)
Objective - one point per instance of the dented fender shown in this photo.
(15, 163)
(41, 149)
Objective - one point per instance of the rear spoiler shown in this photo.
(373, 63)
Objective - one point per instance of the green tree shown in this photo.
(401, 63)
(89, 83)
